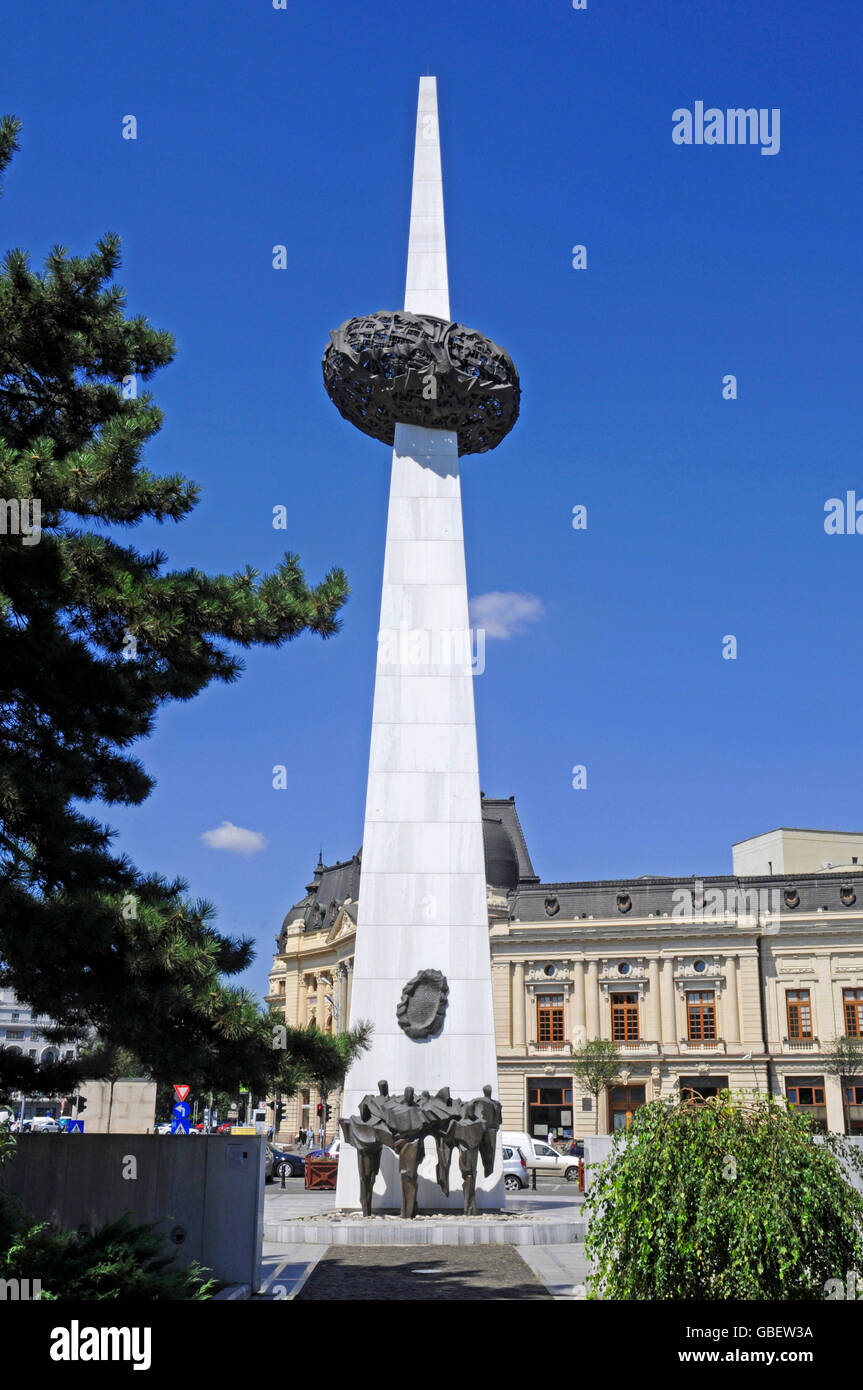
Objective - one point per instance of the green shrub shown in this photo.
(730, 1199)
(120, 1262)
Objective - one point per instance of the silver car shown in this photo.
(514, 1169)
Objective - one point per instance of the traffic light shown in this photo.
(279, 1113)
(82, 1104)
(320, 1110)
(329, 1112)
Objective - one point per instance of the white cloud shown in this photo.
(234, 838)
(504, 615)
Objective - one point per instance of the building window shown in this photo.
(806, 1093)
(852, 1000)
(853, 1096)
(15, 1015)
(701, 1015)
(698, 1089)
(799, 1013)
(624, 1017)
(550, 1018)
(549, 1106)
(623, 1101)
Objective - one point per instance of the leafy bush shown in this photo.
(121, 1261)
(730, 1199)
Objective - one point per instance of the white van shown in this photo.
(542, 1156)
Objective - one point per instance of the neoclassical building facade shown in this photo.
(737, 981)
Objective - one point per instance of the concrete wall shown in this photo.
(133, 1110)
(210, 1190)
(597, 1147)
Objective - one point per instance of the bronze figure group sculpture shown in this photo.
(403, 1123)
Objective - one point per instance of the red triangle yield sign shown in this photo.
(181, 1091)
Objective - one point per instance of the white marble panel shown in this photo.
(421, 518)
(423, 797)
(424, 562)
(423, 748)
(410, 698)
(420, 900)
(425, 609)
(396, 846)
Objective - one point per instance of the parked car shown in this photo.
(542, 1156)
(268, 1164)
(332, 1151)
(293, 1165)
(514, 1169)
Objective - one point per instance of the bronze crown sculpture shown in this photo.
(413, 369)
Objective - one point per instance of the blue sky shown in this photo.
(705, 516)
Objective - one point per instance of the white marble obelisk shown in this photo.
(422, 897)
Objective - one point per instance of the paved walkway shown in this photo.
(414, 1273)
(473, 1272)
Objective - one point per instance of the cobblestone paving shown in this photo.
(410, 1273)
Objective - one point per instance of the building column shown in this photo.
(349, 987)
(592, 1000)
(342, 1022)
(653, 1025)
(666, 995)
(579, 1016)
(835, 1107)
(732, 1003)
(518, 1005)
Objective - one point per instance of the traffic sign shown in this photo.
(180, 1124)
(181, 1110)
(181, 1090)
(75, 1127)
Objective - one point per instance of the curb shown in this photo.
(425, 1233)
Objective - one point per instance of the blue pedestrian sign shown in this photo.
(180, 1124)
(75, 1127)
(181, 1110)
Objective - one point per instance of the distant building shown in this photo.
(730, 981)
(22, 1032)
(788, 851)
